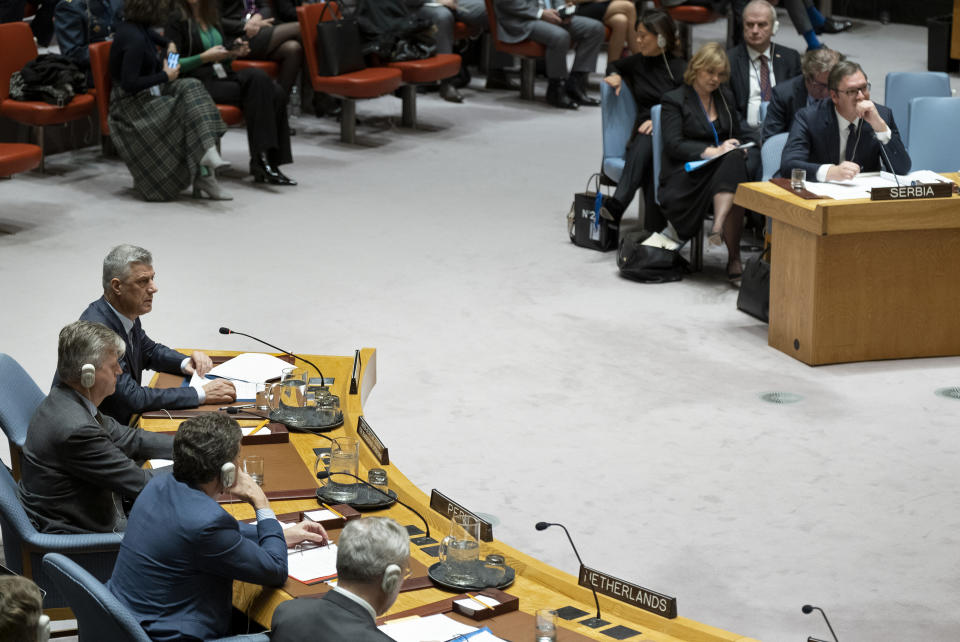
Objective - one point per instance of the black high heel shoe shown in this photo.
(265, 171)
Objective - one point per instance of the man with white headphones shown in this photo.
(373, 559)
(76, 461)
(757, 64)
(21, 612)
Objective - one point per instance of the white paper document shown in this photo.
(860, 185)
(309, 564)
(246, 391)
(470, 604)
(254, 367)
(320, 515)
(160, 463)
(659, 240)
(419, 629)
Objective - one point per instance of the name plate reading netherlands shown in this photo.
(925, 190)
(656, 603)
(446, 506)
(372, 441)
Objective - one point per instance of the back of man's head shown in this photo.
(117, 263)
(83, 342)
(202, 445)
(817, 61)
(20, 609)
(368, 546)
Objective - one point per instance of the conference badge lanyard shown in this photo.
(706, 114)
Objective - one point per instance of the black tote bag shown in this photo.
(584, 223)
(754, 297)
(339, 49)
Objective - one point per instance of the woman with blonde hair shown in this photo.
(700, 122)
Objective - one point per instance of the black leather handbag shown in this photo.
(339, 49)
(754, 298)
(584, 223)
(649, 263)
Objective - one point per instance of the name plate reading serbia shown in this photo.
(446, 506)
(657, 603)
(924, 190)
(372, 441)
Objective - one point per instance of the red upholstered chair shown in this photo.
(528, 50)
(230, 114)
(18, 157)
(686, 17)
(272, 68)
(428, 70)
(460, 30)
(366, 83)
(17, 48)
(102, 83)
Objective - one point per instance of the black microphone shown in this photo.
(883, 152)
(808, 609)
(224, 330)
(325, 474)
(542, 526)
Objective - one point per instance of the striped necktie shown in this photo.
(765, 91)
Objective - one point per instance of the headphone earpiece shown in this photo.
(776, 27)
(43, 628)
(661, 41)
(392, 576)
(88, 375)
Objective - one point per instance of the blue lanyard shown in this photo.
(716, 137)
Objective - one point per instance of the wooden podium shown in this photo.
(861, 280)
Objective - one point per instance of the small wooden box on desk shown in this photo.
(860, 280)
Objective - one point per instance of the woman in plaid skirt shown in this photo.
(166, 129)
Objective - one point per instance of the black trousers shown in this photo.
(637, 173)
(264, 106)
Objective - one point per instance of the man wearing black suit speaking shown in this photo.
(757, 64)
(836, 139)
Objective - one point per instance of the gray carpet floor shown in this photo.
(521, 376)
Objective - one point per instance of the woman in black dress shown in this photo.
(699, 122)
(270, 37)
(648, 75)
(165, 128)
(194, 27)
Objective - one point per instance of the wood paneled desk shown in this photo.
(861, 280)
(537, 584)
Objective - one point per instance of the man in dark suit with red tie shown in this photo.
(757, 64)
(836, 139)
(128, 289)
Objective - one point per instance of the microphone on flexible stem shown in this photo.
(889, 164)
(808, 609)
(542, 526)
(324, 475)
(224, 330)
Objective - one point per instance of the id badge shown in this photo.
(155, 90)
(219, 70)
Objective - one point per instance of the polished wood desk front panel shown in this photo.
(537, 584)
(860, 280)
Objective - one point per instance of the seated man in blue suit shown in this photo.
(373, 557)
(181, 551)
(792, 95)
(128, 289)
(836, 139)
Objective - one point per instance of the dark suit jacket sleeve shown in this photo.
(675, 145)
(895, 148)
(224, 550)
(133, 398)
(797, 150)
(775, 121)
(104, 456)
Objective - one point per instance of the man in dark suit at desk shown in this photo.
(373, 557)
(182, 552)
(757, 65)
(836, 139)
(128, 289)
(793, 95)
(76, 461)
(537, 20)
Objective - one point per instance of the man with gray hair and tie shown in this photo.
(128, 289)
(373, 559)
(77, 462)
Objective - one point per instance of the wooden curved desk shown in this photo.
(537, 584)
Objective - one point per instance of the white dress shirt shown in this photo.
(753, 102)
(843, 127)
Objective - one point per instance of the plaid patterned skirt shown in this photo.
(162, 138)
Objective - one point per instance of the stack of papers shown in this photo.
(471, 603)
(245, 371)
(859, 186)
(435, 627)
(310, 564)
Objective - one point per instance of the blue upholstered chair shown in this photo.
(770, 154)
(19, 398)
(934, 135)
(24, 547)
(617, 114)
(902, 86)
(100, 615)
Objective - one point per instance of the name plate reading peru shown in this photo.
(372, 441)
(446, 506)
(657, 603)
(925, 190)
